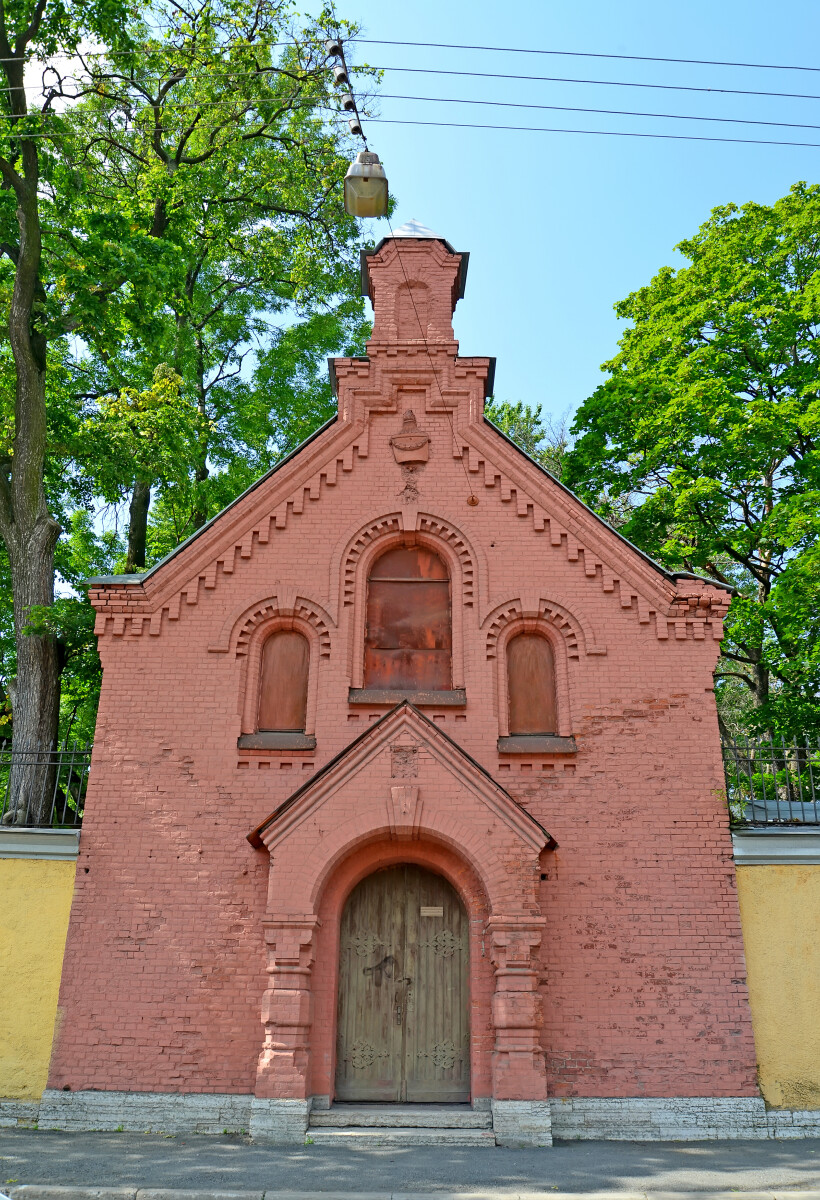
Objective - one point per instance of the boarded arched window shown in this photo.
(531, 684)
(283, 683)
(408, 642)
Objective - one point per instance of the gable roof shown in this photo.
(671, 575)
(369, 734)
(140, 577)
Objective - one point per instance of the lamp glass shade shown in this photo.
(366, 187)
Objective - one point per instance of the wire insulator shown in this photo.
(355, 126)
(340, 76)
(333, 48)
(348, 103)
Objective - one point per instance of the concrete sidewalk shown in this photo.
(41, 1192)
(153, 1164)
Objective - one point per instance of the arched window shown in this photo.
(283, 683)
(408, 641)
(531, 685)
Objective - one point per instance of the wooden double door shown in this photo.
(403, 1021)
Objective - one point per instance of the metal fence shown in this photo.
(43, 788)
(767, 783)
(772, 782)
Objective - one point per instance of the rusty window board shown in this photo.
(408, 640)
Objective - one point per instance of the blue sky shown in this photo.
(560, 226)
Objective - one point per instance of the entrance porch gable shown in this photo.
(403, 792)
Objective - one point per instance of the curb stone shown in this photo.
(34, 1191)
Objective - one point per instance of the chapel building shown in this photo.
(407, 791)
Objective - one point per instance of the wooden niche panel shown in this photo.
(531, 685)
(283, 683)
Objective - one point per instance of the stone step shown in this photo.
(403, 1116)
(365, 1137)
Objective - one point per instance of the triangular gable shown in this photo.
(376, 740)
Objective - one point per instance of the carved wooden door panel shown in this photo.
(437, 1031)
(403, 1025)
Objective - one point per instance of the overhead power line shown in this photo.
(233, 76)
(295, 104)
(700, 62)
(616, 112)
(149, 129)
(665, 87)
(676, 137)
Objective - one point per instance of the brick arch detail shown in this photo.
(453, 837)
(238, 629)
(569, 624)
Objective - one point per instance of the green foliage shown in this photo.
(148, 434)
(708, 424)
(544, 438)
(81, 553)
(198, 266)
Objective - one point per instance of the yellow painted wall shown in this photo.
(779, 908)
(35, 900)
(780, 913)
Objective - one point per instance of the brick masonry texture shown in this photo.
(198, 963)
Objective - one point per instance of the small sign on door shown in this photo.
(432, 911)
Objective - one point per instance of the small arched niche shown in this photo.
(283, 683)
(280, 688)
(412, 311)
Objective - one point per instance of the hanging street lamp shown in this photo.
(366, 186)
(365, 182)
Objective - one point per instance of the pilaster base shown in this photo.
(522, 1123)
(279, 1122)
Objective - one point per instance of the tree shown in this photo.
(146, 435)
(33, 315)
(218, 145)
(546, 439)
(710, 421)
(105, 211)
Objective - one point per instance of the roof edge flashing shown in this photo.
(670, 575)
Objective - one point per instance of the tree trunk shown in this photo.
(199, 516)
(35, 690)
(28, 530)
(138, 526)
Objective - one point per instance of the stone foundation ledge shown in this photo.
(33, 1191)
(516, 1122)
(145, 1112)
(678, 1119)
(18, 1113)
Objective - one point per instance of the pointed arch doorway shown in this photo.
(403, 1009)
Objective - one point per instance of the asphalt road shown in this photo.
(231, 1162)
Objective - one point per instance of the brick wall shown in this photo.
(641, 964)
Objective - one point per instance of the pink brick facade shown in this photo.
(606, 957)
